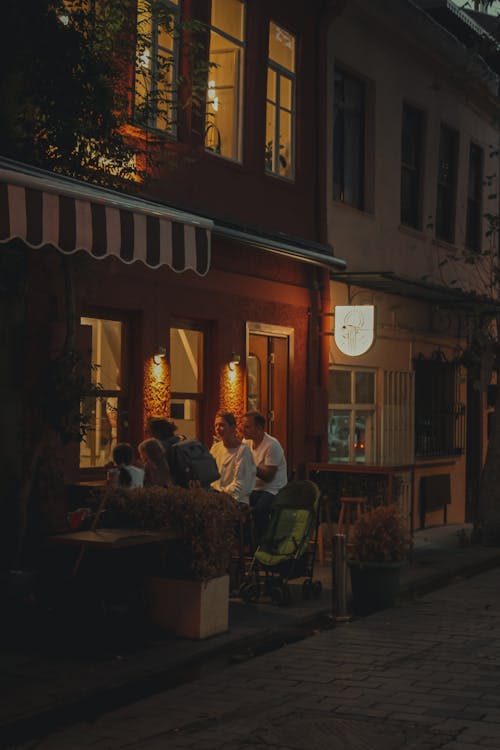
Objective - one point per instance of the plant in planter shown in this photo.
(188, 590)
(380, 545)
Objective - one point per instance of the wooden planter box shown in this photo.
(191, 609)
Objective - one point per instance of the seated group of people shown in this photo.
(153, 453)
(252, 470)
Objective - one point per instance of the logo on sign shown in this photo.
(354, 328)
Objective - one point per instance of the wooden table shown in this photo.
(111, 539)
(114, 538)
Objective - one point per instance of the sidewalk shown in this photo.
(53, 681)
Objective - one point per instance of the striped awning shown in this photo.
(45, 209)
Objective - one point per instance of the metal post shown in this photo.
(341, 614)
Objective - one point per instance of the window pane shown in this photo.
(185, 415)
(270, 136)
(106, 352)
(101, 418)
(227, 15)
(186, 357)
(286, 89)
(281, 47)
(271, 85)
(223, 97)
(285, 144)
(340, 387)
(338, 435)
(363, 437)
(364, 385)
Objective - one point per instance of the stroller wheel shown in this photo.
(307, 589)
(249, 592)
(317, 588)
(281, 595)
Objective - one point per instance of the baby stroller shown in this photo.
(285, 553)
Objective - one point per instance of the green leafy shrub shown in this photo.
(205, 521)
(380, 535)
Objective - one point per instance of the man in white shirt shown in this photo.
(234, 460)
(270, 461)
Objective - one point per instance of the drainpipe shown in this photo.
(320, 293)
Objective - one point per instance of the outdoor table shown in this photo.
(111, 539)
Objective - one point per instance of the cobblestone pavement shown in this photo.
(425, 675)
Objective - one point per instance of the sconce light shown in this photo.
(159, 354)
(234, 360)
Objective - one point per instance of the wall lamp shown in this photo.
(160, 353)
(234, 360)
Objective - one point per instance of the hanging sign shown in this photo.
(354, 328)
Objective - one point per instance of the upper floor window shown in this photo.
(280, 108)
(349, 139)
(447, 184)
(412, 141)
(351, 416)
(474, 198)
(225, 78)
(156, 67)
(102, 413)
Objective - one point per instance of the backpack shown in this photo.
(190, 460)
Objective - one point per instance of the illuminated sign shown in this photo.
(354, 328)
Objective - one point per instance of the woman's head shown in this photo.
(152, 450)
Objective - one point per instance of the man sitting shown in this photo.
(270, 461)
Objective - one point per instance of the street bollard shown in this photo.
(340, 612)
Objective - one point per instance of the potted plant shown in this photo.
(379, 548)
(188, 585)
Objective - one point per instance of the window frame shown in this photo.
(151, 121)
(122, 394)
(412, 217)
(239, 88)
(339, 141)
(447, 189)
(353, 408)
(281, 72)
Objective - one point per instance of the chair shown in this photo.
(326, 520)
(351, 508)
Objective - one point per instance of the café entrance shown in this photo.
(269, 352)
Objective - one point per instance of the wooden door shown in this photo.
(268, 381)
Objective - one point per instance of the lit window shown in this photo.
(225, 79)
(101, 414)
(156, 64)
(186, 370)
(280, 109)
(351, 416)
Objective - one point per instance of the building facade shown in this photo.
(200, 291)
(413, 154)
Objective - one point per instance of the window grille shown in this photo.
(439, 414)
(397, 419)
